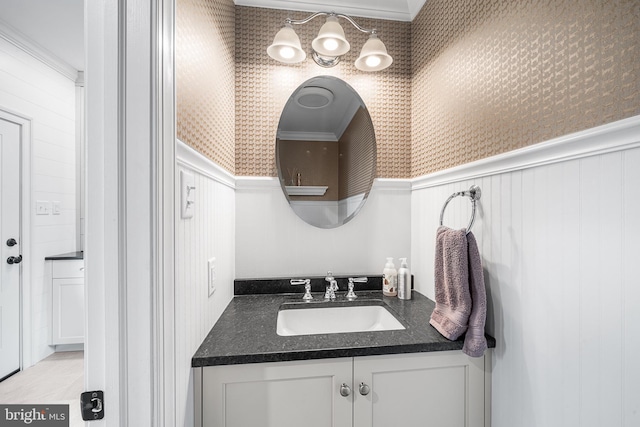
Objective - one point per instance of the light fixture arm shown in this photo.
(337, 15)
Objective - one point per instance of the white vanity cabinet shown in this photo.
(440, 389)
(67, 292)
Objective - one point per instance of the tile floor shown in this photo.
(58, 379)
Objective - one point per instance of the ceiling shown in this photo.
(55, 25)
(319, 124)
(397, 10)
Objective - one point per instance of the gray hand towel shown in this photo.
(461, 300)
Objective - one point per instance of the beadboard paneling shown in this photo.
(32, 89)
(210, 233)
(271, 241)
(559, 249)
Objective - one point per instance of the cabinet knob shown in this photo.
(345, 390)
(364, 389)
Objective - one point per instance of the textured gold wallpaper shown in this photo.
(491, 76)
(205, 78)
(264, 85)
(357, 156)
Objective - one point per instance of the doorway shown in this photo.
(39, 95)
(10, 255)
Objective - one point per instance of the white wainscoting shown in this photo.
(210, 233)
(31, 89)
(559, 240)
(271, 241)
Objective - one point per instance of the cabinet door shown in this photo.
(68, 311)
(440, 389)
(282, 394)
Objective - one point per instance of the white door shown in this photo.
(10, 248)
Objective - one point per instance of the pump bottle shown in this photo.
(404, 280)
(390, 279)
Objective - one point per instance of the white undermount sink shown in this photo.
(335, 320)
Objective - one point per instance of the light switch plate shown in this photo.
(187, 195)
(211, 265)
(56, 207)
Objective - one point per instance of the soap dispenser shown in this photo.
(390, 279)
(404, 280)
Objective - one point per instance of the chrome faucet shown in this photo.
(332, 287)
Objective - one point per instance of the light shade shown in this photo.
(374, 56)
(286, 46)
(331, 40)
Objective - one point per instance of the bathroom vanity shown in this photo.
(66, 275)
(245, 374)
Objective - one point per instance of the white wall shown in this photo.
(271, 241)
(559, 244)
(30, 88)
(210, 233)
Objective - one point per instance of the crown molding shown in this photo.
(352, 109)
(26, 44)
(353, 9)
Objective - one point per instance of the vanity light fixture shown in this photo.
(330, 44)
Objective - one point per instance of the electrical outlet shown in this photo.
(42, 207)
(211, 264)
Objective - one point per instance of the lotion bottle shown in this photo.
(404, 280)
(390, 279)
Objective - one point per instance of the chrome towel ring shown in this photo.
(474, 194)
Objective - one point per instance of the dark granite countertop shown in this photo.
(246, 332)
(67, 256)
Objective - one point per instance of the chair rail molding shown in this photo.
(616, 136)
(192, 159)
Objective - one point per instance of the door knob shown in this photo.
(345, 390)
(11, 242)
(14, 259)
(364, 389)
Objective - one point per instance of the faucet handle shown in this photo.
(359, 279)
(351, 295)
(307, 287)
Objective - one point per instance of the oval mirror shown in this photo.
(326, 152)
